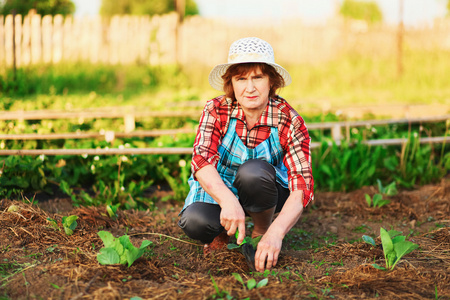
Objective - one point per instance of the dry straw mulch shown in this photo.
(42, 262)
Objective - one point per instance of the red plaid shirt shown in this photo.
(293, 135)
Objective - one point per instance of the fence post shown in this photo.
(336, 132)
(130, 122)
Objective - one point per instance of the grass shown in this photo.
(348, 81)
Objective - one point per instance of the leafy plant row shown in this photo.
(127, 180)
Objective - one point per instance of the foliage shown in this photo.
(137, 7)
(394, 245)
(388, 190)
(69, 223)
(361, 10)
(247, 240)
(43, 7)
(73, 78)
(112, 210)
(179, 184)
(119, 250)
(251, 283)
(376, 201)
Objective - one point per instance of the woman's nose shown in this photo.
(250, 86)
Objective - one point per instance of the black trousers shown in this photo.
(257, 191)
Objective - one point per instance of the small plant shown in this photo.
(247, 240)
(119, 250)
(376, 201)
(53, 223)
(389, 190)
(112, 210)
(251, 283)
(220, 294)
(69, 223)
(395, 247)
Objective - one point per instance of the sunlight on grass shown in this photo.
(352, 80)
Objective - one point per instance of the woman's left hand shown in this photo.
(269, 248)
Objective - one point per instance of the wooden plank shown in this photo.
(47, 38)
(393, 142)
(42, 115)
(88, 135)
(36, 47)
(114, 151)
(9, 40)
(147, 151)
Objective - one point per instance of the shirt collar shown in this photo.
(269, 116)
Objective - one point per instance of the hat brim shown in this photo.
(216, 81)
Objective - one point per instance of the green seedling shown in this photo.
(394, 245)
(247, 240)
(69, 223)
(53, 223)
(251, 283)
(119, 250)
(389, 190)
(220, 294)
(376, 201)
(112, 210)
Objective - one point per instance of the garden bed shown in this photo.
(323, 256)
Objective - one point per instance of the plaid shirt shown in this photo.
(293, 135)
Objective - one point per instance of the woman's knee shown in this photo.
(201, 221)
(254, 173)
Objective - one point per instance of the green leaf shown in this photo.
(368, 240)
(394, 233)
(238, 277)
(262, 283)
(232, 246)
(368, 200)
(53, 223)
(397, 239)
(145, 244)
(382, 203)
(386, 241)
(70, 222)
(376, 199)
(403, 248)
(107, 239)
(380, 186)
(108, 256)
(251, 283)
(111, 242)
(376, 266)
(391, 257)
(68, 231)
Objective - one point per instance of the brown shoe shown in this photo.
(220, 242)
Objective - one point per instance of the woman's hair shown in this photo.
(275, 79)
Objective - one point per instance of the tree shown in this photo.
(361, 10)
(43, 7)
(144, 7)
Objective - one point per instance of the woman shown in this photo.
(251, 156)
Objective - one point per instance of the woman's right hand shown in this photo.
(232, 218)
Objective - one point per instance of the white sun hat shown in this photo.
(247, 50)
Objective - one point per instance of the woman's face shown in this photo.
(252, 90)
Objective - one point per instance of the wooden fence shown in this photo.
(158, 40)
(339, 131)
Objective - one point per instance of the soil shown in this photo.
(323, 256)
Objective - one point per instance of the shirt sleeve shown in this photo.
(298, 160)
(207, 140)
